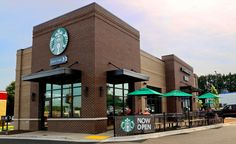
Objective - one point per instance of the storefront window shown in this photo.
(120, 98)
(77, 106)
(47, 106)
(67, 101)
(56, 103)
(62, 100)
(185, 103)
(154, 103)
(118, 92)
(77, 100)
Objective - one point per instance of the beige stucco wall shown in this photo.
(155, 69)
(23, 90)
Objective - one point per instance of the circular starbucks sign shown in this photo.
(58, 41)
(127, 125)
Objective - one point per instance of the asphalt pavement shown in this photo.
(222, 135)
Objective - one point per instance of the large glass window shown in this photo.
(63, 100)
(47, 106)
(120, 92)
(154, 103)
(77, 100)
(67, 100)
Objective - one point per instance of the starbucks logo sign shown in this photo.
(58, 41)
(127, 125)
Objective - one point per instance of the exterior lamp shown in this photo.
(33, 96)
(101, 89)
(85, 89)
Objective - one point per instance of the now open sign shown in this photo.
(137, 124)
(144, 124)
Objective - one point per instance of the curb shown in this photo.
(118, 139)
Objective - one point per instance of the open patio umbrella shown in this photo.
(144, 92)
(177, 93)
(208, 96)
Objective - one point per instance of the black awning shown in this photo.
(190, 89)
(125, 76)
(53, 75)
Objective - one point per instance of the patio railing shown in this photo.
(140, 124)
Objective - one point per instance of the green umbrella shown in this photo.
(177, 93)
(144, 92)
(208, 96)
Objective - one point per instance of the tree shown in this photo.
(216, 102)
(221, 82)
(10, 99)
(199, 104)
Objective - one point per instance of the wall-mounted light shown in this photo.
(33, 97)
(101, 89)
(85, 89)
(144, 83)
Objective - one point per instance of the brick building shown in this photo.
(84, 62)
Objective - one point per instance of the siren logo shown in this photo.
(127, 124)
(59, 41)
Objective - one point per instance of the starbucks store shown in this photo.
(76, 75)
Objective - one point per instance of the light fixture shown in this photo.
(33, 97)
(85, 89)
(101, 91)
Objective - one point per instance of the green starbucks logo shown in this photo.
(59, 41)
(127, 125)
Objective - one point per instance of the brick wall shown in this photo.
(155, 69)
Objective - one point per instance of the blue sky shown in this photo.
(201, 32)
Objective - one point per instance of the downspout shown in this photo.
(20, 81)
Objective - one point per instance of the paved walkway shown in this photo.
(103, 137)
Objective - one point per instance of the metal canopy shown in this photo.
(190, 89)
(52, 75)
(125, 76)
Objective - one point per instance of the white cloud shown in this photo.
(201, 32)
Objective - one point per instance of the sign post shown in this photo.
(5, 120)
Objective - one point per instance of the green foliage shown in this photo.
(10, 99)
(221, 82)
(118, 101)
(199, 104)
(214, 90)
(216, 103)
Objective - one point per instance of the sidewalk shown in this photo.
(103, 137)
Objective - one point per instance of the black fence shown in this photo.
(141, 124)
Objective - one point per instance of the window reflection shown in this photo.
(120, 98)
(62, 100)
